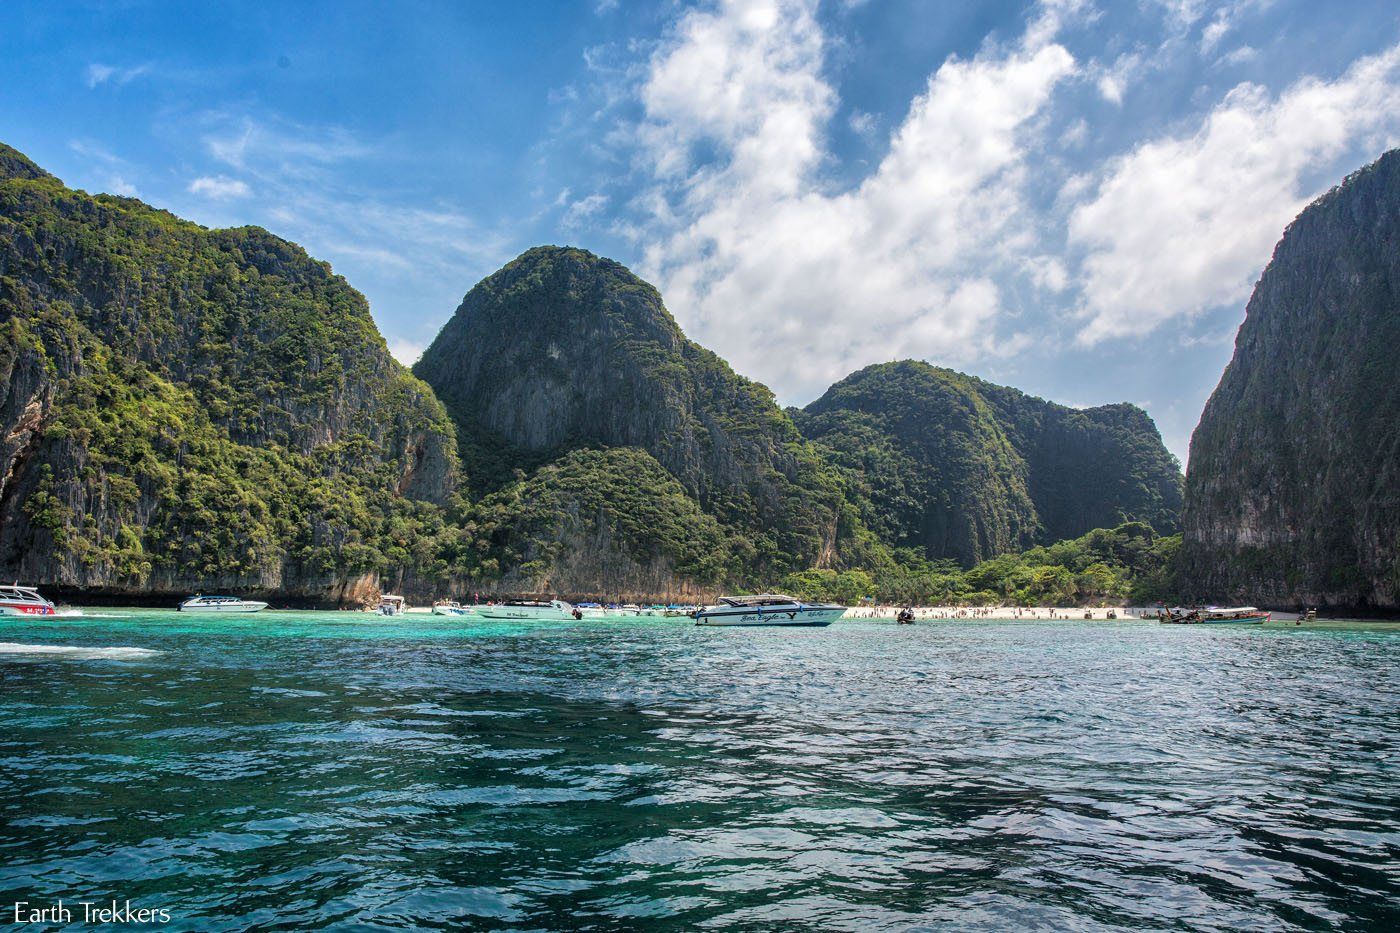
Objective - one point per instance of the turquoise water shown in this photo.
(310, 770)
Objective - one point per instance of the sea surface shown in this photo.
(338, 770)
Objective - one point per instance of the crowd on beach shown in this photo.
(996, 612)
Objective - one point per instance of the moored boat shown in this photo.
(390, 605)
(1215, 615)
(768, 609)
(16, 600)
(450, 608)
(221, 604)
(555, 610)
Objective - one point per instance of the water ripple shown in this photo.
(310, 773)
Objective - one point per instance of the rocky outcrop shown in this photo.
(1293, 492)
(964, 469)
(188, 408)
(562, 350)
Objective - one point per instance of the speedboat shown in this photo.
(768, 609)
(555, 610)
(1214, 615)
(221, 604)
(16, 600)
(390, 605)
(450, 608)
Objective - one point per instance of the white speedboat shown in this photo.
(390, 605)
(16, 600)
(221, 604)
(555, 610)
(450, 608)
(768, 609)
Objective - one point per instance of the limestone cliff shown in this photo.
(187, 409)
(1293, 493)
(968, 470)
(562, 350)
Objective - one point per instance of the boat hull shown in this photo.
(245, 606)
(784, 618)
(525, 613)
(25, 610)
(1246, 620)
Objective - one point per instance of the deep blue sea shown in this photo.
(343, 771)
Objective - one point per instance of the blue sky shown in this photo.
(1070, 197)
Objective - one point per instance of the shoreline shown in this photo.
(853, 614)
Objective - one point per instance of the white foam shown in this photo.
(77, 652)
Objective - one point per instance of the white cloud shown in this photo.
(238, 142)
(1048, 273)
(219, 187)
(1226, 19)
(1075, 134)
(798, 284)
(98, 73)
(1215, 31)
(1114, 80)
(1183, 224)
(1183, 13)
(405, 351)
(120, 186)
(1245, 53)
(583, 210)
(864, 125)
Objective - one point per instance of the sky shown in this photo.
(1073, 197)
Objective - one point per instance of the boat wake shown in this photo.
(77, 652)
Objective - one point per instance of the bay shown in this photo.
(344, 771)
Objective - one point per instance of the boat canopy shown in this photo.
(765, 599)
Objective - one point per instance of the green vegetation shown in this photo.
(562, 350)
(610, 507)
(958, 468)
(186, 408)
(214, 405)
(1130, 563)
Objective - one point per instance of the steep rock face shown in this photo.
(1293, 494)
(965, 469)
(562, 349)
(188, 408)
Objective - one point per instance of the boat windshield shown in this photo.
(767, 599)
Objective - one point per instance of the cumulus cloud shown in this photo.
(794, 282)
(219, 187)
(1183, 224)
